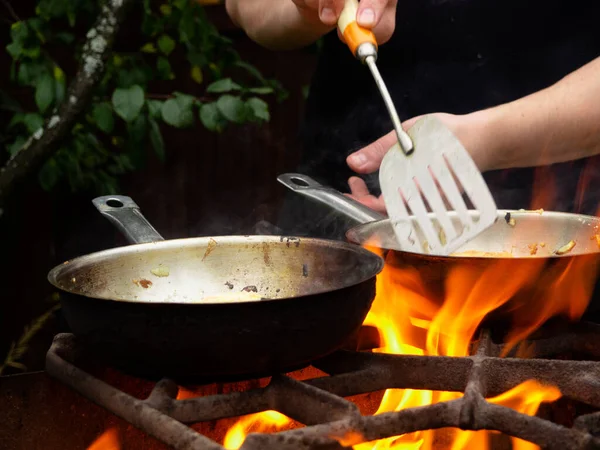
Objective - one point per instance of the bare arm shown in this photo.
(290, 24)
(277, 24)
(557, 124)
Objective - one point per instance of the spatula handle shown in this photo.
(361, 41)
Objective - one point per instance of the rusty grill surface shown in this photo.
(319, 403)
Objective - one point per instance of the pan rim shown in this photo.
(501, 215)
(373, 260)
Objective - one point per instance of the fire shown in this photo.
(258, 423)
(437, 310)
(108, 440)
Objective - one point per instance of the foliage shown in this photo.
(19, 349)
(125, 116)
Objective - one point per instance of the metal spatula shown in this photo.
(426, 169)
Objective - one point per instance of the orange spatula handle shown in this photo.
(355, 35)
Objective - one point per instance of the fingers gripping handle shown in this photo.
(355, 35)
(345, 205)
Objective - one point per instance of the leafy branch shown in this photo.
(100, 129)
(45, 139)
(19, 349)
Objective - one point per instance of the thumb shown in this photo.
(368, 159)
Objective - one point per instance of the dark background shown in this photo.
(210, 184)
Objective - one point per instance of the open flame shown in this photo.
(108, 440)
(413, 320)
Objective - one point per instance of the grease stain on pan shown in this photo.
(212, 244)
(290, 241)
(266, 253)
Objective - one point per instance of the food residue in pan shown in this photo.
(533, 248)
(209, 248)
(565, 248)
(510, 220)
(143, 283)
(161, 271)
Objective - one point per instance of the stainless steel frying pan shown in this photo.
(534, 243)
(180, 308)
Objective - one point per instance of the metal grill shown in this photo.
(331, 420)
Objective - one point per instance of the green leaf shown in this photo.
(49, 174)
(196, 74)
(138, 130)
(59, 84)
(128, 102)
(16, 119)
(16, 146)
(187, 29)
(232, 108)
(166, 9)
(102, 114)
(262, 90)
(251, 70)
(177, 112)
(19, 31)
(259, 108)
(148, 48)
(14, 49)
(154, 108)
(224, 85)
(164, 68)
(156, 140)
(33, 122)
(25, 75)
(166, 44)
(44, 92)
(211, 118)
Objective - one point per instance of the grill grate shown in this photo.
(320, 403)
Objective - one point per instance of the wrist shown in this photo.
(484, 136)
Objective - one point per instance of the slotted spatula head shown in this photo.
(433, 176)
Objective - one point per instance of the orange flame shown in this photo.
(259, 423)
(437, 310)
(108, 440)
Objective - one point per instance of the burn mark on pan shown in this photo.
(143, 283)
(212, 244)
(290, 241)
(266, 253)
(305, 270)
(250, 289)
(229, 285)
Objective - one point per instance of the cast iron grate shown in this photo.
(320, 403)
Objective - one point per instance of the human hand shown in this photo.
(469, 129)
(376, 15)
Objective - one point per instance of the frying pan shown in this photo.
(518, 233)
(156, 308)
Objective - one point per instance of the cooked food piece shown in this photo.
(565, 248)
(533, 248)
(160, 271)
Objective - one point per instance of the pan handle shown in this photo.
(123, 213)
(349, 207)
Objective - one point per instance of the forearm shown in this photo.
(558, 124)
(275, 24)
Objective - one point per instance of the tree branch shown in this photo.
(46, 141)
